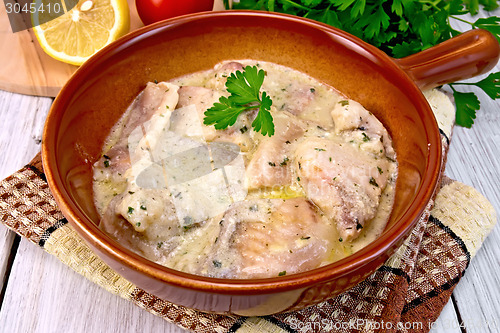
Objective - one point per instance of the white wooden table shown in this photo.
(40, 294)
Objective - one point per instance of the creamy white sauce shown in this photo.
(320, 189)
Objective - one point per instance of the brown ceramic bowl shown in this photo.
(99, 92)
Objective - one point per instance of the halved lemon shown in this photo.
(82, 31)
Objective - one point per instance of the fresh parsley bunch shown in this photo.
(399, 28)
(244, 88)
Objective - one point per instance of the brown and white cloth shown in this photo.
(406, 294)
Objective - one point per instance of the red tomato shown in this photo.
(151, 11)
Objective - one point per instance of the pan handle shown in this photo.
(462, 57)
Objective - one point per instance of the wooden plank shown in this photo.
(22, 122)
(43, 295)
(474, 163)
(6, 240)
(22, 119)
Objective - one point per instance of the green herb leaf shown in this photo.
(467, 104)
(491, 85)
(358, 8)
(489, 5)
(223, 114)
(472, 6)
(492, 24)
(244, 88)
(342, 4)
(404, 49)
(379, 21)
(397, 7)
(264, 120)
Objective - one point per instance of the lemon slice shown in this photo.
(82, 31)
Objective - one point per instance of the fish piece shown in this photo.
(109, 169)
(152, 100)
(270, 237)
(150, 232)
(349, 115)
(185, 122)
(222, 72)
(271, 163)
(298, 97)
(345, 183)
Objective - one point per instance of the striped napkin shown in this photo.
(406, 294)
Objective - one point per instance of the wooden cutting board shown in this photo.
(26, 69)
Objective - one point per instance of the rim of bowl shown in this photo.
(104, 243)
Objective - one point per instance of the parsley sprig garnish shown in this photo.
(467, 103)
(244, 88)
(400, 28)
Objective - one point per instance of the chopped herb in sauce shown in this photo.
(282, 273)
(138, 224)
(217, 263)
(143, 207)
(106, 163)
(344, 102)
(341, 240)
(243, 129)
(319, 149)
(285, 161)
(130, 210)
(305, 238)
(366, 138)
(373, 182)
(272, 164)
(159, 245)
(380, 170)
